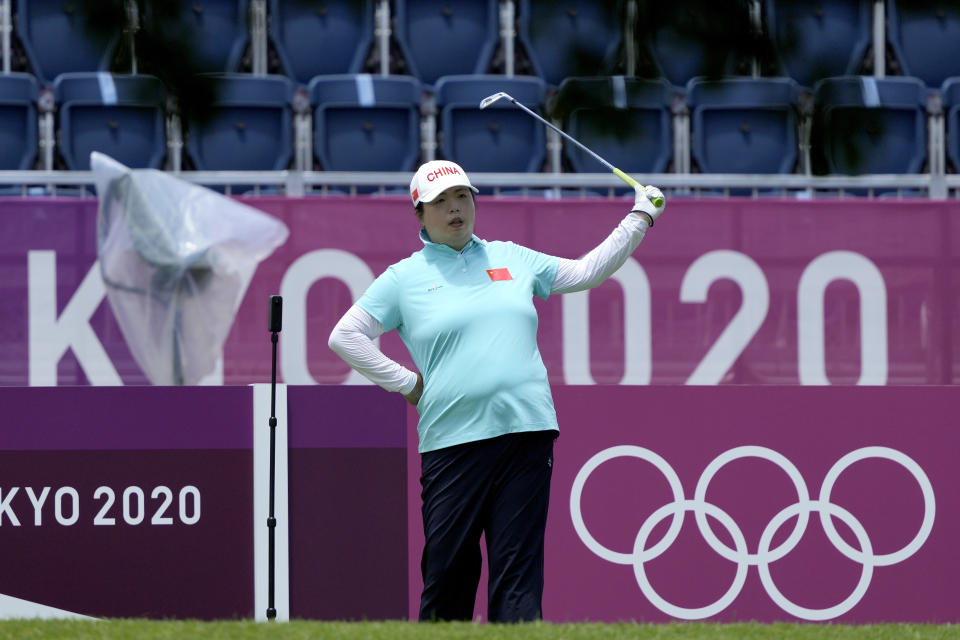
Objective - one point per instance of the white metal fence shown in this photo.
(349, 183)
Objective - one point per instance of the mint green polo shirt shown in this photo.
(469, 323)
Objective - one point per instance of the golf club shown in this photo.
(486, 102)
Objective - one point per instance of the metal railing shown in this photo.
(604, 185)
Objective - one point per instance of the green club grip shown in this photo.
(657, 202)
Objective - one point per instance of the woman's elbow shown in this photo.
(335, 341)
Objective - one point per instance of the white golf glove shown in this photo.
(644, 202)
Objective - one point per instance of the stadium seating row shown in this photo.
(364, 122)
(438, 38)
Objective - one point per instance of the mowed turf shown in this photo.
(304, 630)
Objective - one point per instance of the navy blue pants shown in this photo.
(498, 487)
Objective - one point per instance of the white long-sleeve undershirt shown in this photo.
(353, 337)
(603, 260)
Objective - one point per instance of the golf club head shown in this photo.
(489, 100)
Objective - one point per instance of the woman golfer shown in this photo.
(464, 308)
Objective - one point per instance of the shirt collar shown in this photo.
(428, 243)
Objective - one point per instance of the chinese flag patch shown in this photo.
(499, 274)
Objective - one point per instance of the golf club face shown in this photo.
(489, 100)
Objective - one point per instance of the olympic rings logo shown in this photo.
(740, 555)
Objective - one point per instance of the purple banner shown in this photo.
(147, 494)
(828, 504)
(47, 419)
(348, 503)
(350, 417)
(130, 502)
(724, 503)
(722, 291)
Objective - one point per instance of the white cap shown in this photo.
(436, 176)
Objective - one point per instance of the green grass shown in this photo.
(304, 630)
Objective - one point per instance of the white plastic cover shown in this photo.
(176, 259)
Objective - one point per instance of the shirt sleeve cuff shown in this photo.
(409, 383)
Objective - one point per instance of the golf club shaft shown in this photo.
(658, 202)
(568, 137)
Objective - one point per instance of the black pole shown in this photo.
(276, 315)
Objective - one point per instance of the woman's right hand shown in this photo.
(414, 396)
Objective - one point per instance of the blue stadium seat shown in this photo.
(950, 92)
(321, 39)
(217, 32)
(678, 59)
(685, 44)
(498, 138)
(121, 116)
(57, 39)
(819, 39)
(744, 125)
(863, 124)
(925, 39)
(364, 122)
(439, 37)
(18, 121)
(627, 121)
(251, 125)
(571, 37)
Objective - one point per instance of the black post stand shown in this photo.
(276, 315)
